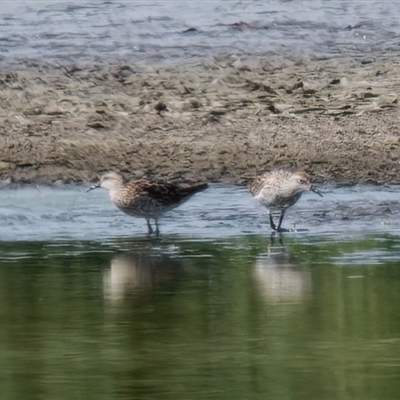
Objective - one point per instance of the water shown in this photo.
(90, 308)
(156, 31)
(69, 213)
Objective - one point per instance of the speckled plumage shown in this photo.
(146, 199)
(280, 189)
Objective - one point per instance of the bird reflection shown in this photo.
(280, 277)
(132, 272)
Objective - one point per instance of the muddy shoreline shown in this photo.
(224, 119)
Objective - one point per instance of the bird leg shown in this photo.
(157, 229)
(280, 220)
(271, 221)
(279, 227)
(150, 229)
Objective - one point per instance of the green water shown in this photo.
(232, 318)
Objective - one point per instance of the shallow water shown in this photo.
(91, 308)
(69, 213)
(156, 31)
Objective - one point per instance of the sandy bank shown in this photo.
(220, 119)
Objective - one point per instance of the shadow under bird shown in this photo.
(280, 189)
(146, 199)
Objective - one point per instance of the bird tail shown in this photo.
(191, 190)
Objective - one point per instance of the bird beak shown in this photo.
(315, 190)
(96, 186)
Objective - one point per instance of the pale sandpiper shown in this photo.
(280, 189)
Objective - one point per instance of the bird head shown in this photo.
(301, 182)
(110, 181)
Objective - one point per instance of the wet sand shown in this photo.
(224, 119)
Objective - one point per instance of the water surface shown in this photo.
(159, 31)
(69, 213)
(91, 308)
(192, 319)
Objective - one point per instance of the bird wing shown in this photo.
(165, 194)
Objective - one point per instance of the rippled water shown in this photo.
(173, 30)
(91, 308)
(221, 211)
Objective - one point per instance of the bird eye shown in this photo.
(302, 181)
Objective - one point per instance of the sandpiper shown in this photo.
(280, 189)
(146, 199)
